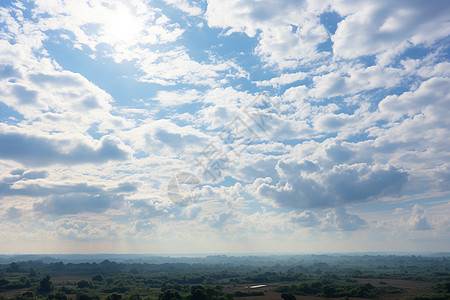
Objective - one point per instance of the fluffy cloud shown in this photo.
(356, 114)
(355, 80)
(44, 151)
(163, 137)
(176, 66)
(286, 78)
(288, 32)
(340, 219)
(337, 219)
(78, 202)
(418, 219)
(306, 219)
(185, 6)
(387, 29)
(302, 188)
(120, 25)
(431, 98)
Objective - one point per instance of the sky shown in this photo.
(238, 126)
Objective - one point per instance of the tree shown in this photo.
(170, 294)
(82, 296)
(57, 296)
(114, 297)
(197, 293)
(97, 278)
(45, 285)
(83, 284)
(13, 268)
(288, 296)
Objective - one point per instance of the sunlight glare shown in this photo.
(124, 27)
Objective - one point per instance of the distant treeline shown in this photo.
(321, 275)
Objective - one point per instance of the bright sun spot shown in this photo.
(123, 27)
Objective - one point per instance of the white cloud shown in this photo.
(48, 150)
(418, 219)
(179, 97)
(340, 219)
(355, 80)
(387, 28)
(331, 122)
(165, 138)
(288, 32)
(356, 131)
(306, 219)
(185, 6)
(121, 25)
(283, 79)
(176, 66)
(307, 184)
(431, 99)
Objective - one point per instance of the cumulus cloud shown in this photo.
(176, 66)
(82, 230)
(288, 32)
(356, 112)
(384, 27)
(340, 219)
(419, 219)
(283, 79)
(173, 98)
(44, 151)
(185, 6)
(306, 219)
(336, 219)
(431, 98)
(121, 25)
(164, 137)
(355, 80)
(340, 185)
(219, 221)
(76, 203)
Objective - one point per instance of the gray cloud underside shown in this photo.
(66, 199)
(39, 151)
(342, 185)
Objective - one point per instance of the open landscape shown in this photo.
(217, 277)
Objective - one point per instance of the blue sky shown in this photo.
(178, 126)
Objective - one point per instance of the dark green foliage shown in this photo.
(117, 289)
(440, 291)
(135, 297)
(4, 281)
(67, 290)
(333, 288)
(13, 268)
(197, 293)
(288, 296)
(315, 275)
(98, 278)
(45, 285)
(84, 284)
(27, 294)
(170, 295)
(114, 297)
(32, 272)
(57, 296)
(248, 294)
(82, 296)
